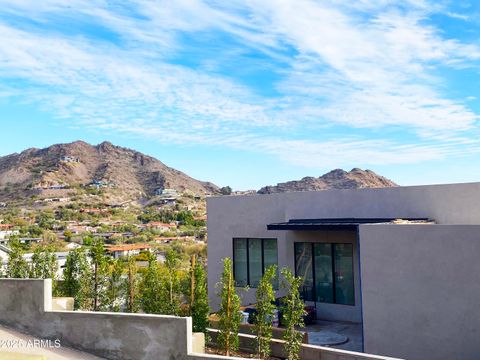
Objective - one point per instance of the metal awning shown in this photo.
(337, 223)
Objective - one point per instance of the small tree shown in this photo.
(17, 266)
(229, 313)
(172, 285)
(114, 289)
(77, 279)
(265, 310)
(132, 286)
(226, 190)
(99, 262)
(151, 289)
(199, 308)
(293, 311)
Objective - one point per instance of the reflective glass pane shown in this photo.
(270, 253)
(323, 272)
(270, 256)
(255, 261)
(240, 261)
(304, 268)
(344, 289)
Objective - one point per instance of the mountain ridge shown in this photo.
(335, 179)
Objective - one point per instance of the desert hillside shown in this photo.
(122, 173)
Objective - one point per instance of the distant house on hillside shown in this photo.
(119, 251)
(57, 187)
(92, 211)
(167, 193)
(70, 159)
(47, 200)
(73, 246)
(160, 226)
(100, 184)
(6, 234)
(4, 227)
(29, 240)
(78, 229)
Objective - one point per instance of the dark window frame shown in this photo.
(314, 287)
(262, 241)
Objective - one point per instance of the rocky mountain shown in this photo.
(127, 173)
(335, 179)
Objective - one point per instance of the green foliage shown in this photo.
(44, 263)
(185, 217)
(45, 219)
(172, 283)
(35, 231)
(152, 299)
(68, 235)
(293, 311)
(150, 214)
(113, 292)
(265, 311)
(132, 286)
(160, 286)
(143, 256)
(229, 313)
(49, 237)
(87, 240)
(199, 308)
(77, 279)
(99, 262)
(17, 266)
(226, 190)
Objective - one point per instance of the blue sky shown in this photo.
(250, 93)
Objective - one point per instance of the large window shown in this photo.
(250, 259)
(327, 272)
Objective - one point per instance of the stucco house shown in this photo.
(402, 262)
(118, 251)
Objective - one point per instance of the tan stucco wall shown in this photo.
(247, 216)
(421, 292)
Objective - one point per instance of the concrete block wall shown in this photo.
(26, 305)
(248, 343)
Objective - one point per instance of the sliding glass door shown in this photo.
(304, 268)
(323, 272)
(327, 272)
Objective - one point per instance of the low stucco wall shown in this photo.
(26, 305)
(307, 352)
(420, 290)
(63, 303)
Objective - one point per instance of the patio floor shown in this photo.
(338, 335)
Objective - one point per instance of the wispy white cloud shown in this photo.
(371, 66)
